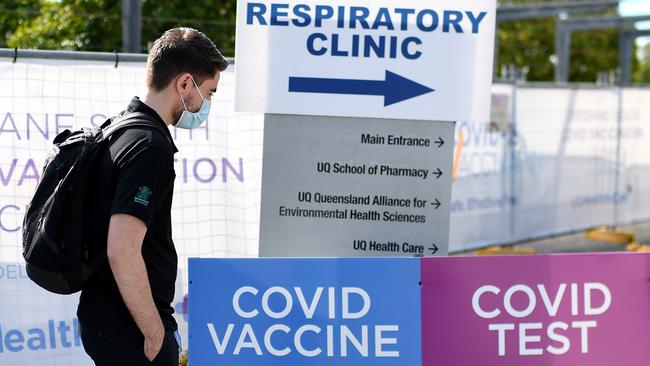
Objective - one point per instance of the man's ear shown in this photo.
(183, 82)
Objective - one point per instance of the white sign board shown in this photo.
(408, 59)
(340, 186)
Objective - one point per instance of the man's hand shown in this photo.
(153, 341)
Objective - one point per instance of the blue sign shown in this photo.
(394, 88)
(260, 312)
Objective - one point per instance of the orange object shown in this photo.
(459, 150)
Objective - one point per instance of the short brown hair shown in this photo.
(182, 50)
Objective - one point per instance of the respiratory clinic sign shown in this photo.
(363, 18)
(553, 310)
(389, 59)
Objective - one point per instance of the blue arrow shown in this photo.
(394, 88)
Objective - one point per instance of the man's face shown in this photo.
(190, 94)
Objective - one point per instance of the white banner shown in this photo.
(551, 167)
(547, 166)
(217, 189)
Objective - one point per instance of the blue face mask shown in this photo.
(190, 120)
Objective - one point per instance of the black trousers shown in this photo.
(125, 348)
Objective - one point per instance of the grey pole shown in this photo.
(131, 26)
(18, 54)
(116, 58)
(548, 9)
(495, 62)
(627, 38)
(617, 166)
(566, 27)
(626, 41)
(563, 52)
(589, 23)
(508, 12)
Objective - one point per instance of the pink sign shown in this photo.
(559, 310)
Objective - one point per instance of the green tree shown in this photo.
(15, 13)
(96, 25)
(92, 25)
(642, 72)
(215, 18)
(592, 52)
(530, 44)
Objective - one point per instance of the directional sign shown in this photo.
(410, 59)
(394, 89)
(341, 186)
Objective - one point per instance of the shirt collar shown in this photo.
(136, 105)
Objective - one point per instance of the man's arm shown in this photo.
(125, 236)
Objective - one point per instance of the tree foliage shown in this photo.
(642, 73)
(93, 25)
(530, 44)
(96, 25)
(14, 14)
(215, 18)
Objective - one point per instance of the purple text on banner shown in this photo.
(559, 310)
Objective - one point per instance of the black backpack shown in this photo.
(66, 224)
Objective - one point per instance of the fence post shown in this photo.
(131, 26)
(514, 168)
(617, 166)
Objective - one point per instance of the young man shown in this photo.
(125, 311)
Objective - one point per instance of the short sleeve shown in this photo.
(140, 184)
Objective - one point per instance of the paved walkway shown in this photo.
(579, 243)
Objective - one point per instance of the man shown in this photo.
(125, 311)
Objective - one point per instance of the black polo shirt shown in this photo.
(141, 171)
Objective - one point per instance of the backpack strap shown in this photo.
(134, 119)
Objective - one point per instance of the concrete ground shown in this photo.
(578, 242)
